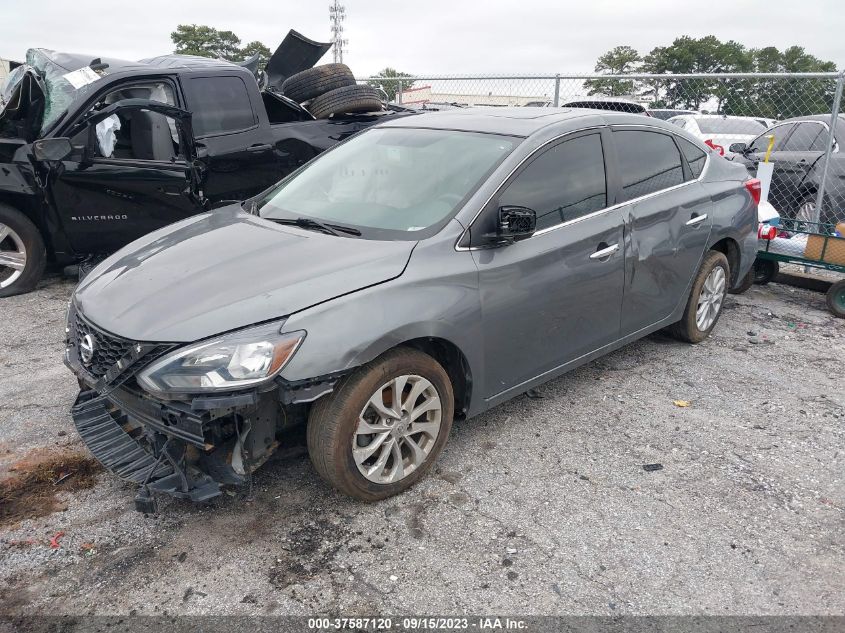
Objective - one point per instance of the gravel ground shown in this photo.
(540, 506)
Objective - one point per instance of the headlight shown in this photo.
(231, 361)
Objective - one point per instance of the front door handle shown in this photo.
(696, 219)
(259, 148)
(603, 253)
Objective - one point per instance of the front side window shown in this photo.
(780, 132)
(648, 162)
(804, 137)
(390, 183)
(220, 105)
(562, 184)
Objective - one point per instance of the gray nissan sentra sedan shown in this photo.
(421, 272)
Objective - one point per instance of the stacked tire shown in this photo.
(331, 89)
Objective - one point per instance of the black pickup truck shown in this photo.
(95, 153)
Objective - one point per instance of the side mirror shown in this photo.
(738, 148)
(515, 223)
(52, 149)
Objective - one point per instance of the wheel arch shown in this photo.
(729, 247)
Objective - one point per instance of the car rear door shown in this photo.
(667, 225)
(556, 296)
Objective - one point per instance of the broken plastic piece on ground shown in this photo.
(54, 542)
(652, 467)
(681, 403)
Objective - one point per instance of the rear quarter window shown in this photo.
(695, 156)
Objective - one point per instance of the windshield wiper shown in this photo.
(308, 223)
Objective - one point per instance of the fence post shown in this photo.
(556, 102)
(837, 101)
(399, 92)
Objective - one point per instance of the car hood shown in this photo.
(226, 270)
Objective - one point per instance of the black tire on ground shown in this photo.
(334, 418)
(745, 284)
(315, 81)
(836, 299)
(687, 329)
(36, 254)
(346, 100)
(765, 270)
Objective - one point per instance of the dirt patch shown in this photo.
(307, 552)
(31, 489)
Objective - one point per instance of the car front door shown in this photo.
(556, 296)
(797, 157)
(131, 173)
(779, 191)
(665, 210)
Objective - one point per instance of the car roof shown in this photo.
(825, 118)
(515, 121)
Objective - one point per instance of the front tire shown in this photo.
(706, 298)
(22, 253)
(370, 445)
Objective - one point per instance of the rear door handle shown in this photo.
(605, 252)
(259, 148)
(696, 219)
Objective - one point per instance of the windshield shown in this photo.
(730, 126)
(390, 183)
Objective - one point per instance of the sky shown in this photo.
(431, 36)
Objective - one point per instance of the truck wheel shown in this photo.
(836, 299)
(348, 99)
(765, 270)
(706, 298)
(384, 425)
(313, 82)
(22, 253)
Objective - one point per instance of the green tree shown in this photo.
(391, 81)
(256, 47)
(620, 60)
(206, 41)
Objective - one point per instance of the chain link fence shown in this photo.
(793, 121)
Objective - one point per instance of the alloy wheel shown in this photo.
(12, 256)
(397, 429)
(710, 299)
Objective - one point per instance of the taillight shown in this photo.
(766, 232)
(754, 188)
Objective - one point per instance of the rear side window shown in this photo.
(695, 156)
(566, 182)
(220, 105)
(648, 162)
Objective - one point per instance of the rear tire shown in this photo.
(835, 299)
(765, 270)
(706, 298)
(338, 447)
(316, 81)
(22, 249)
(346, 100)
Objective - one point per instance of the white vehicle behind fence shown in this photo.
(720, 131)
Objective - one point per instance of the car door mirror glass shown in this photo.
(514, 223)
(52, 149)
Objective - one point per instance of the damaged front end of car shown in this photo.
(185, 420)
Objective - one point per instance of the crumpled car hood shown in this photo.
(225, 270)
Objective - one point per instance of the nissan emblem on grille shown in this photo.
(87, 347)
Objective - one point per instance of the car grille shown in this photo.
(108, 349)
